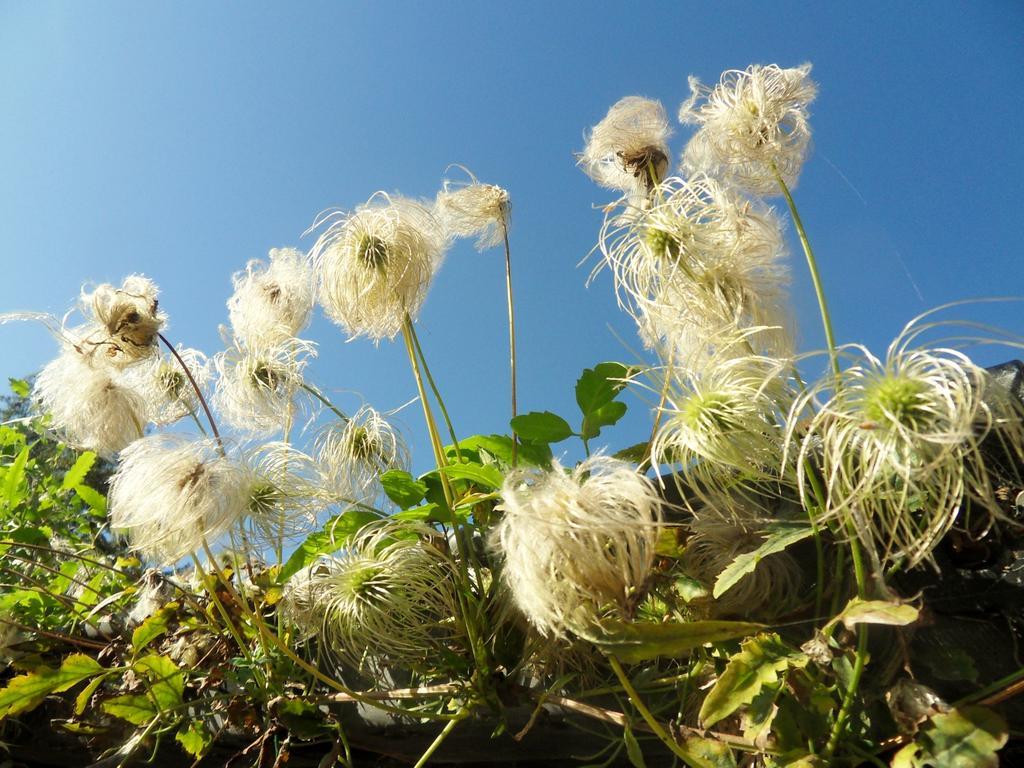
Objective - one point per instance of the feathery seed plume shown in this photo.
(574, 545)
(628, 145)
(272, 302)
(472, 209)
(353, 455)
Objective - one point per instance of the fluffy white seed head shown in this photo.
(165, 387)
(126, 320)
(472, 209)
(272, 302)
(92, 404)
(256, 385)
(701, 262)
(897, 446)
(374, 265)
(723, 424)
(353, 455)
(630, 142)
(754, 120)
(171, 493)
(286, 494)
(574, 545)
(388, 599)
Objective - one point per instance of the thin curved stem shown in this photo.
(195, 387)
(320, 396)
(812, 264)
(435, 390)
(436, 743)
(511, 337)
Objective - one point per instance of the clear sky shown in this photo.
(181, 139)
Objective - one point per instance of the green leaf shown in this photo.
(541, 427)
(642, 641)
(335, 533)
(599, 385)
(14, 487)
(778, 537)
(26, 692)
(758, 663)
(154, 626)
(79, 470)
(167, 684)
(966, 737)
(487, 475)
(137, 710)
(605, 416)
(635, 454)
(193, 738)
(428, 513)
(500, 447)
(633, 751)
(19, 387)
(402, 488)
(83, 698)
(96, 500)
(859, 611)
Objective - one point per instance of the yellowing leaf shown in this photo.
(26, 692)
(859, 611)
(642, 641)
(758, 663)
(193, 739)
(167, 684)
(152, 627)
(137, 710)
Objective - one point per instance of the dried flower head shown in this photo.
(472, 209)
(628, 146)
(256, 385)
(897, 445)
(388, 599)
(127, 319)
(576, 544)
(93, 406)
(752, 125)
(374, 265)
(272, 302)
(172, 493)
(353, 455)
(701, 261)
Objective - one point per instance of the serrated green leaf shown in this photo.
(193, 738)
(402, 488)
(335, 533)
(14, 487)
(778, 536)
(633, 751)
(154, 626)
(541, 427)
(26, 692)
(758, 663)
(78, 471)
(96, 500)
(643, 641)
(167, 684)
(486, 475)
(137, 710)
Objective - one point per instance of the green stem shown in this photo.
(319, 396)
(645, 713)
(435, 440)
(435, 390)
(812, 264)
(436, 743)
(511, 336)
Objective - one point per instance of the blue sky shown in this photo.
(180, 140)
